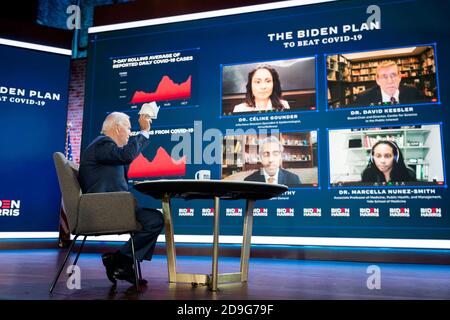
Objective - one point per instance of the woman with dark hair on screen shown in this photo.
(387, 164)
(263, 91)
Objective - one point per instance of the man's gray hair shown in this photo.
(113, 119)
(270, 139)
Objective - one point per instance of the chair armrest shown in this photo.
(106, 213)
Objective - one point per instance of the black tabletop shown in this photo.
(208, 189)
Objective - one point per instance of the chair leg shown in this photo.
(135, 263)
(79, 251)
(139, 269)
(62, 265)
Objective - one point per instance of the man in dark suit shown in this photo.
(388, 89)
(103, 168)
(270, 152)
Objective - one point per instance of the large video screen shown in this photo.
(345, 102)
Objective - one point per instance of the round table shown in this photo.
(209, 189)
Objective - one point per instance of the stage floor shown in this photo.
(27, 274)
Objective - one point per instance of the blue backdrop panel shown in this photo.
(33, 109)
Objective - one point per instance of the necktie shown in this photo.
(393, 100)
(271, 180)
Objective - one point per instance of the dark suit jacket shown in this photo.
(284, 177)
(104, 166)
(373, 96)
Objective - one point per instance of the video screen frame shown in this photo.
(356, 185)
(315, 162)
(244, 78)
(351, 90)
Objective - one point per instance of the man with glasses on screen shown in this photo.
(388, 90)
(270, 153)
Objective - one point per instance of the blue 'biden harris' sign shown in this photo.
(33, 109)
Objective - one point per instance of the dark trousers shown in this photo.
(145, 240)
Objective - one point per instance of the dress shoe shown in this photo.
(108, 262)
(127, 273)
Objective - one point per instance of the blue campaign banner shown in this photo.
(353, 94)
(33, 109)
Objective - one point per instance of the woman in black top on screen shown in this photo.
(387, 165)
(263, 91)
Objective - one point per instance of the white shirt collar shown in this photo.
(266, 176)
(387, 98)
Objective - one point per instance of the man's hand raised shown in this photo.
(145, 122)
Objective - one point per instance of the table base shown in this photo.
(213, 279)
